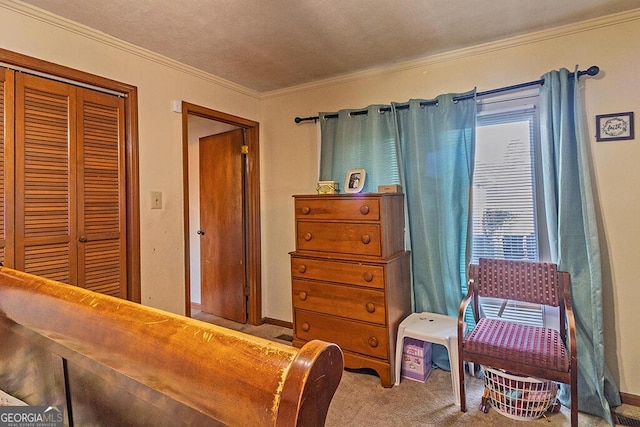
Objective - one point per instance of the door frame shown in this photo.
(130, 94)
(254, 306)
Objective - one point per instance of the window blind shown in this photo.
(504, 209)
(504, 200)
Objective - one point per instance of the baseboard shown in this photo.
(630, 399)
(277, 322)
(622, 415)
(195, 305)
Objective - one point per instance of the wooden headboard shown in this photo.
(113, 362)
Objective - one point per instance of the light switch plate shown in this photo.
(156, 200)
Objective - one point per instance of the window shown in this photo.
(504, 215)
(504, 212)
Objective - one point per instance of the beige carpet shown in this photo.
(360, 400)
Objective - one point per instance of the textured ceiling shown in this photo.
(265, 45)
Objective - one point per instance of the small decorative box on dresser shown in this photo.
(350, 276)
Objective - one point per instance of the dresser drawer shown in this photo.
(349, 335)
(345, 238)
(352, 303)
(371, 276)
(342, 209)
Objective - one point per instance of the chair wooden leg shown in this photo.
(574, 404)
(463, 398)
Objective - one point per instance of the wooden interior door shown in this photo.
(222, 228)
(45, 178)
(101, 206)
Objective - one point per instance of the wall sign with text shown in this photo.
(614, 127)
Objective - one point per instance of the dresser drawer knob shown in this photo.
(367, 276)
(305, 210)
(302, 268)
(366, 239)
(364, 209)
(302, 295)
(373, 342)
(307, 236)
(371, 307)
(305, 327)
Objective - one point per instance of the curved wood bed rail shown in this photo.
(110, 360)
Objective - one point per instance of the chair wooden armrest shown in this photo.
(464, 304)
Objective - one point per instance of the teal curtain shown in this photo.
(429, 150)
(360, 139)
(572, 230)
(436, 147)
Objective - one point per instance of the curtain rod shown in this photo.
(591, 71)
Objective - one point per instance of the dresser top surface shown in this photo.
(347, 195)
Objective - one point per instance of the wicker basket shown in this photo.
(519, 397)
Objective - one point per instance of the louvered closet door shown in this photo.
(45, 215)
(101, 193)
(70, 216)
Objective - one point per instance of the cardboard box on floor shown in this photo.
(416, 359)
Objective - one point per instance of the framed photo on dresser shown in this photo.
(354, 181)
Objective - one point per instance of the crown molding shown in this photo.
(100, 37)
(454, 55)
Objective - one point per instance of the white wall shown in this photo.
(159, 81)
(290, 151)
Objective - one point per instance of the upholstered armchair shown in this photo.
(536, 351)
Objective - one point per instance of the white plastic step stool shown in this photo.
(433, 328)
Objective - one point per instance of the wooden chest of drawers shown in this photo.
(350, 276)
